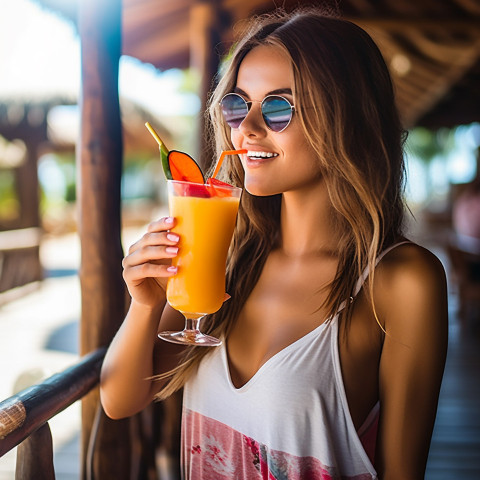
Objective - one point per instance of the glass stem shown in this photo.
(193, 324)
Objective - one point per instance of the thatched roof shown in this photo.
(432, 47)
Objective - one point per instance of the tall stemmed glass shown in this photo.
(205, 220)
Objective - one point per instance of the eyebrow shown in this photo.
(278, 91)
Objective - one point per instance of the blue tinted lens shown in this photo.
(277, 113)
(234, 109)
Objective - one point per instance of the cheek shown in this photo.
(236, 138)
(299, 153)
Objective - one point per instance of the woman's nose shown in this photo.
(253, 123)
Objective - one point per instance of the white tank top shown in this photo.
(290, 421)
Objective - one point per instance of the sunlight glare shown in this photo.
(32, 62)
(40, 58)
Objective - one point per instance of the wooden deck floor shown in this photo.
(455, 448)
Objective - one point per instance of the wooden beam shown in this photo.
(443, 83)
(402, 24)
(204, 58)
(26, 411)
(99, 163)
(431, 74)
(471, 6)
(442, 50)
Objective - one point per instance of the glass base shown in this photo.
(190, 337)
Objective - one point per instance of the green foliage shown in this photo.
(9, 204)
(427, 144)
(190, 81)
(71, 192)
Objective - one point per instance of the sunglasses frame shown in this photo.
(261, 102)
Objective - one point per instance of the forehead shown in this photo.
(264, 69)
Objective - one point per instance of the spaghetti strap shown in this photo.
(366, 272)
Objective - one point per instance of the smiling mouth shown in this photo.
(255, 154)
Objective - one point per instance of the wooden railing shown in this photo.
(24, 416)
(19, 258)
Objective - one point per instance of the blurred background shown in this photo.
(433, 51)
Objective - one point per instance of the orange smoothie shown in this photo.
(205, 226)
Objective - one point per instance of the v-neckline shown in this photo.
(264, 366)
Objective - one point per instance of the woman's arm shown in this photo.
(136, 353)
(412, 301)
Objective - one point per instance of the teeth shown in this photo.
(261, 154)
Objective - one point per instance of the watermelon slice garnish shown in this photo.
(217, 188)
(197, 190)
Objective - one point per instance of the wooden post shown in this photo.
(204, 57)
(35, 456)
(99, 161)
(28, 188)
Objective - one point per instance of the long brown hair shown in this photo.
(355, 130)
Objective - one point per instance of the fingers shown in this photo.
(151, 255)
(164, 223)
(157, 235)
(152, 247)
(135, 274)
(157, 254)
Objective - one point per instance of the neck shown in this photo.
(307, 225)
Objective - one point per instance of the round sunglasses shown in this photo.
(277, 111)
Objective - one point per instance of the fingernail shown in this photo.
(169, 220)
(173, 237)
(172, 269)
(172, 250)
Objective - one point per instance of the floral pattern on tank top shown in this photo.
(214, 450)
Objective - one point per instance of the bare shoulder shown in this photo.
(410, 264)
(411, 300)
(410, 288)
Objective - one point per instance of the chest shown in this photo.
(286, 304)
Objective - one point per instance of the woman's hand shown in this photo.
(148, 264)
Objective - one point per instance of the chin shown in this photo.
(259, 189)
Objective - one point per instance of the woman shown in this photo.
(335, 336)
